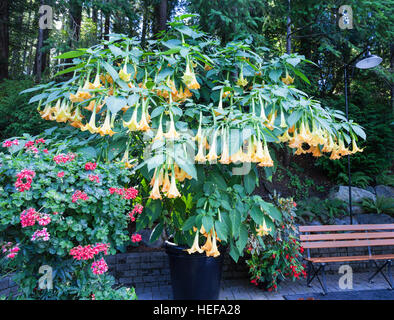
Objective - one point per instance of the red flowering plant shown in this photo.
(277, 255)
(65, 211)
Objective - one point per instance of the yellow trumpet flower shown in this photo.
(173, 192)
(143, 124)
(46, 114)
(124, 75)
(283, 123)
(172, 134)
(91, 125)
(287, 80)
(64, 113)
(155, 193)
(96, 84)
(208, 244)
(166, 184)
(132, 124)
(267, 161)
(225, 157)
(200, 157)
(159, 134)
(189, 78)
(105, 129)
(263, 230)
(214, 252)
(258, 156)
(355, 148)
(195, 247)
(242, 82)
(212, 156)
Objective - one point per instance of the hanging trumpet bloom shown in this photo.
(214, 252)
(258, 156)
(225, 156)
(212, 156)
(91, 125)
(123, 73)
(189, 78)
(242, 82)
(159, 134)
(287, 80)
(208, 244)
(195, 247)
(132, 125)
(355, 148)
(76, 119)
(143, 125)
(96, 84)
(166, 183)
(283, 123)
(91, 106)
(266, 161)
(105, 129)
(46, 114)
(262, 230)
(262, 111)
(172, 134)
(173, 192)
(200, 157)
(125, 159)
(155, 193)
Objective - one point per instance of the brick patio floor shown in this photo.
(243, 290)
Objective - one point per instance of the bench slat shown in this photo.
(344, 236)
(355, 227)
(342, 244)
(351, 258)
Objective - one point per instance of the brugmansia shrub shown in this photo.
(204, 114)
(64, 211)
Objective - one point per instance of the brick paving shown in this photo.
(241, 289)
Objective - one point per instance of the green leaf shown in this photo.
(243, 238)
(221, 230)
(157, 231)
(250, 181)
(189, 223)
(70, 54)
(207, 222)
(256, 214)
(115, 104)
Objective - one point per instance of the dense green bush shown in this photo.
(372, 112)
(65, 211)
(16, 115)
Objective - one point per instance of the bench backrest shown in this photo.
(341, 236)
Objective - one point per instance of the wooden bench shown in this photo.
(346, 236)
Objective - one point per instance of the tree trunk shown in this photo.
(4, 38)
(27, 39)
(107, 25)
(160, 16)
(75, 21)
(144, 27)
(392, 70)
(288, 32)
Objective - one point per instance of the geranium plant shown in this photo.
(205, 114)
(65, 212)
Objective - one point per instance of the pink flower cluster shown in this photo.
(9, 143)
(40, 235)
(136, 210)
(99, 267)
(64, 158)
(30, 216)
(41, 140)
(24, 180)
(30, 147)
(95, 178)
(90, 166)
(60, 174)
(78, 194)
(136, 238)
(126, 193)
(44, 219)
(88, 252)
(10, 250)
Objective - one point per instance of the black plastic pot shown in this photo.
(194, 276)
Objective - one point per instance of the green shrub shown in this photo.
(380, 205)
(324, 211)
(52, 203)
(16, 115)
